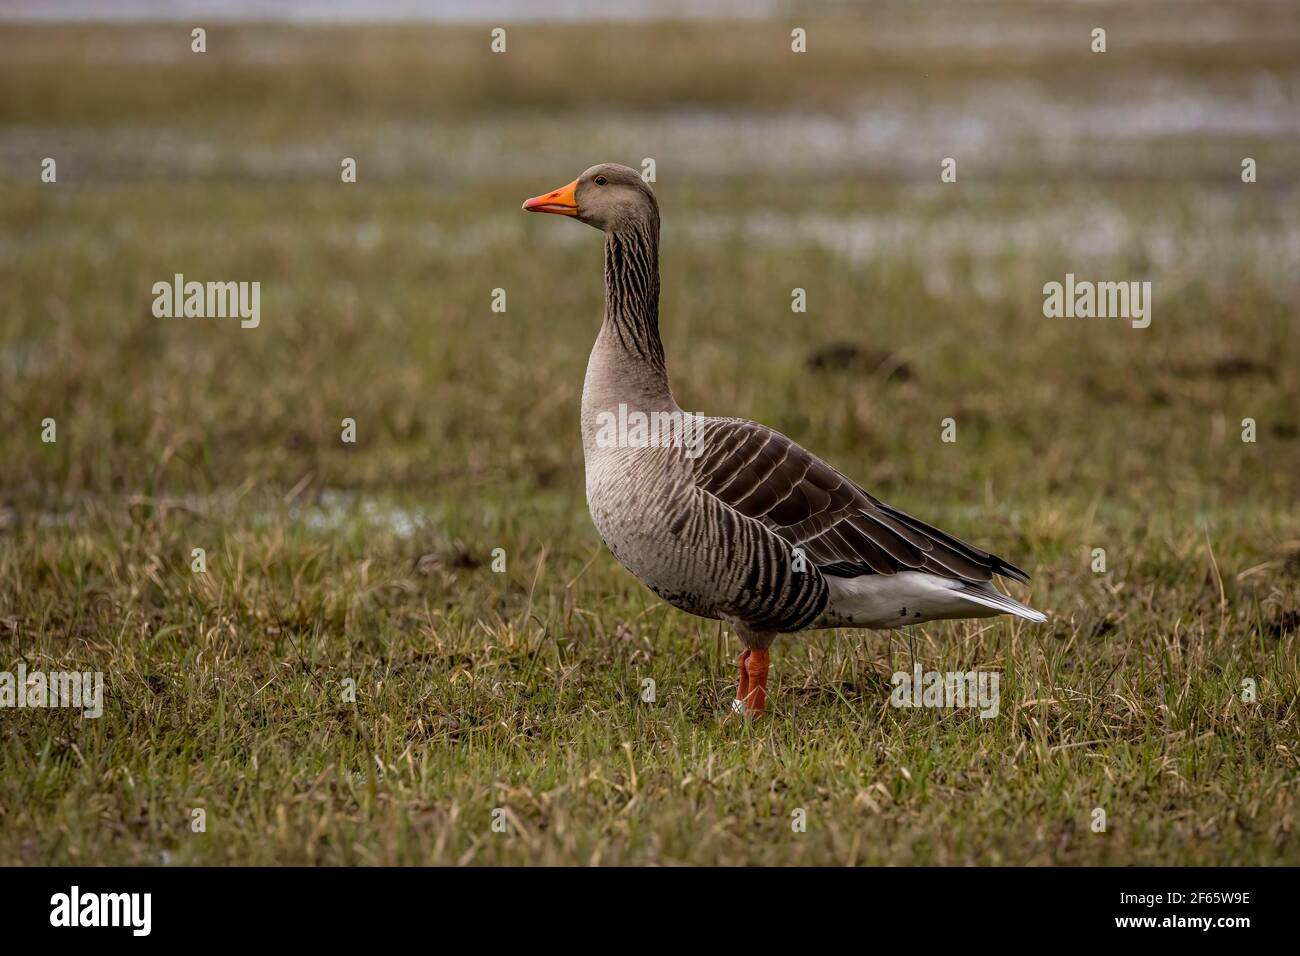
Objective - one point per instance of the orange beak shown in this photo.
(561, 201)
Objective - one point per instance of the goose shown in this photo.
(728, 519)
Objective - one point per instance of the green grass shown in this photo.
(520, 691)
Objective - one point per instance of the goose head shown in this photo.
(608, 196)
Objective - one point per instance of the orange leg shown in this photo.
(742, 690)
(756, 694)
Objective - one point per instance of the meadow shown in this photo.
(354, 679)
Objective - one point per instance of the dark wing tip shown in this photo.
(977, 556)
(1007, 570)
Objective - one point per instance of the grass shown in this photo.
(520, 691)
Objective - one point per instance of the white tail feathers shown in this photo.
(989, 597)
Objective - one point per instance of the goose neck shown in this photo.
(632, 294)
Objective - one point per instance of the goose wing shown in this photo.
(839, 527)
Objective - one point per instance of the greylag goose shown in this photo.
(728, 519)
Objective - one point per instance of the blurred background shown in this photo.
(774, 170)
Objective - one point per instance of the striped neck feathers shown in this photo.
(632, 291)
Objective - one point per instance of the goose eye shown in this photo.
(601, 180)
